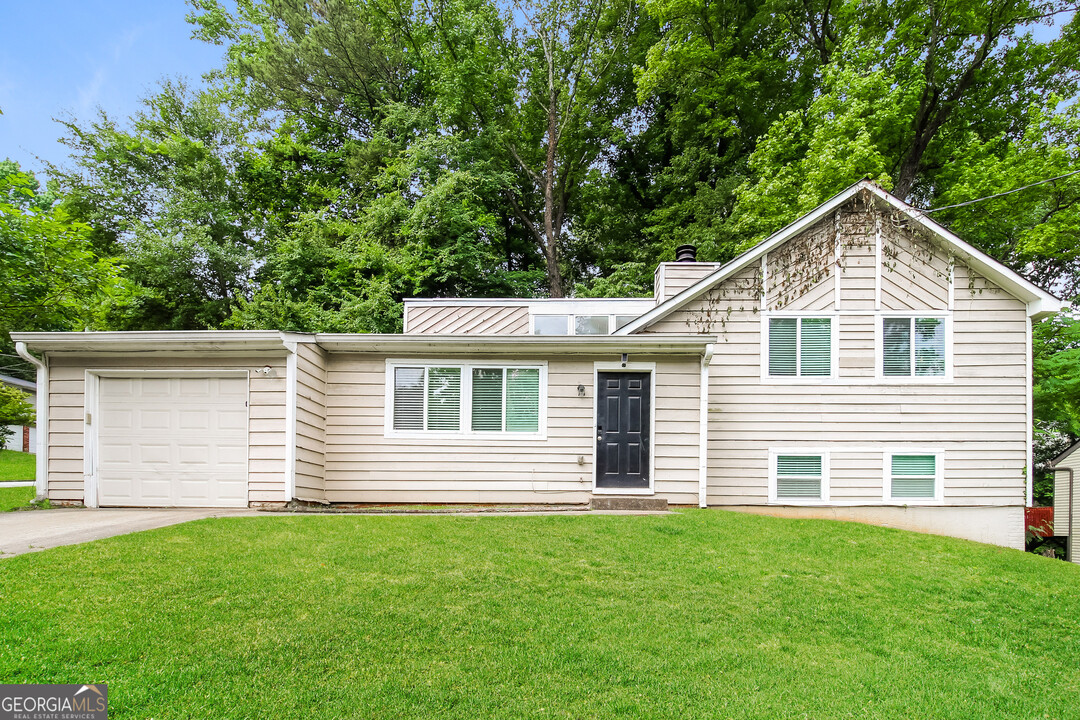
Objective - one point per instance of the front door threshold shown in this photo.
(628, 502)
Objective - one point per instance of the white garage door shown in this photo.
(172, 441)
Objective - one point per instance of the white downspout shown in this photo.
(290, 422)
(703, 429)
(42, 420)
(1029, 438)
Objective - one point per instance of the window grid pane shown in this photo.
(929, 346)
(409, 398)
(523, 400)
(816, 351)
(896, 346)
(591, 325)
(551, 325)
(782, 342)
(798, 476)
(914, 476)
(487, 399)
(444, 399)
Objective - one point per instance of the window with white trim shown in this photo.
(913, 346)
(800, 347)
(799, 476)
(914, 476)
(584, 324)
(465, 398)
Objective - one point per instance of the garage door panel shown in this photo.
(117, 418)
(173, 441)
(153, 419)
(153, 387)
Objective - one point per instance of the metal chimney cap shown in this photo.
(686, 253)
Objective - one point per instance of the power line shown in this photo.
(1000, 194)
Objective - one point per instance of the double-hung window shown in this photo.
(799, 476)
(465, 399)
(913, 347)
(800, 347)
(913, 477)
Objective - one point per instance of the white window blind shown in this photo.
(409, 398)
(444, 398)
(487, 399)
(913, 347)
(914, 476)
(800, 347)
(522, 399)
(798, 476)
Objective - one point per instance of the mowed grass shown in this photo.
(701, 614)
(14, 497)
(16, 466)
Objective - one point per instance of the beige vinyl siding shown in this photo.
(310, 422)
(979, 420)
(915, 274)
(672, 278)
(468, 320)
(266, 418)
(858, 261)
(855, 476)
(792, 283)
(857, 346)
(363, 466)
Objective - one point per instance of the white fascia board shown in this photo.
(1040, 303)
(517, 302)
(157, 341)
(515, 344)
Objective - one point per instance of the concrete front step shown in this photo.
(628, 502)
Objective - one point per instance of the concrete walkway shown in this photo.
(32, 530)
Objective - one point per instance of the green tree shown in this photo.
(51, 275)
(167, 195)
(15, 409)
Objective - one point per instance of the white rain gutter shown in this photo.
(42, 420)
(703, 429)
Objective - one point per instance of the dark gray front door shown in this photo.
(623, 412)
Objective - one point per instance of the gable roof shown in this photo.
(1068, 451)
(1039, 302)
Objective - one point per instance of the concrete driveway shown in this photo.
(32, 530)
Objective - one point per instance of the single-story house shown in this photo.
(862, 363)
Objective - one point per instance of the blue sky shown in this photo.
(62, 57)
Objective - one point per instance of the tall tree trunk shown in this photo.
(551, 226)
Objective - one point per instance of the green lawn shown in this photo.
(16, 466)
(703, 614)
(13, 497)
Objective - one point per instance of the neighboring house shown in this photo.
(23, 437)
(1067, 498)
(863, 364)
